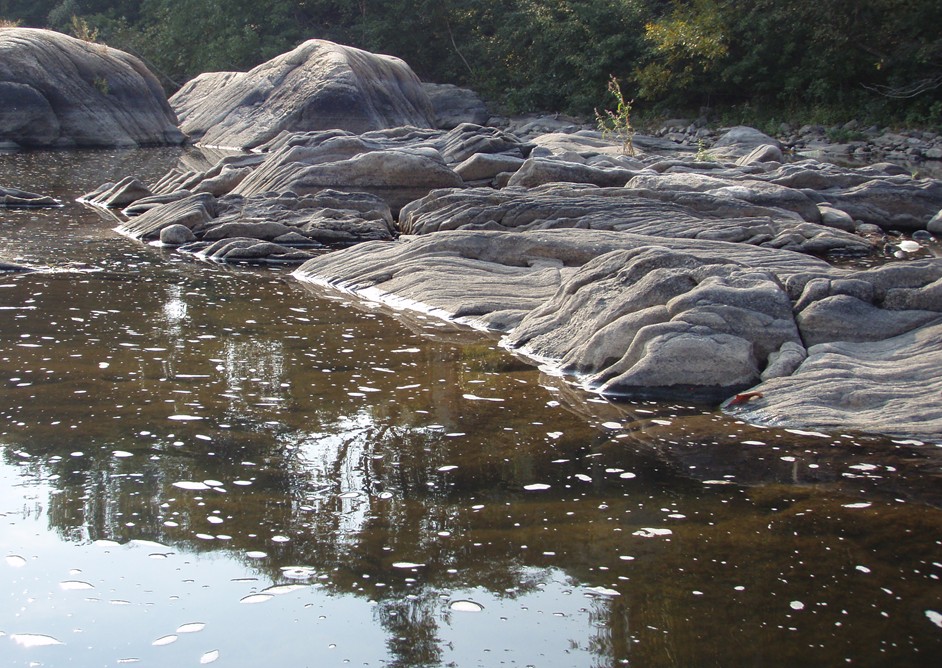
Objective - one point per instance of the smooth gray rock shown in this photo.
(397, 176)
(653, 213)
(886, 387)
(742, 140)
(452, 106)
(653, 322)
(176, 235)
(317, 86)
(485, 166)
(117, 195)
(13, 198)
(538, 171)
(762, 153)
(194, 212)
(898, 202)
(58, 91)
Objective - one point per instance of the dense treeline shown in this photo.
(757, 59)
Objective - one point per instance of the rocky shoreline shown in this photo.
(705, 267)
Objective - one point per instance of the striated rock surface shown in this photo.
(634, 316)
(58, 91)
(317, 86)
(12, 198)
(891, 386)
(650, 213)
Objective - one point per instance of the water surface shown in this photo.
(203, 464)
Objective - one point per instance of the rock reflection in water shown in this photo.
(182, 437)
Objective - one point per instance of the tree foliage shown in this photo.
(879, 56)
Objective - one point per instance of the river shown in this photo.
(202, 464)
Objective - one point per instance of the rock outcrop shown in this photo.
(11, 198)
(58, 91)
(317, 86)
(632, 316)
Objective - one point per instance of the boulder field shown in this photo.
(795, 293)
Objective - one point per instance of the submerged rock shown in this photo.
(58, 91)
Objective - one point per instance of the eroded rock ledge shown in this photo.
(632, 316)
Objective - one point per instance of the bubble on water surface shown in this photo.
(536, 487)
(801, 432)
(256, 598)
(190, 485)
(652, 533)
(628, 475)
(15, 560)
(407, 564)
(164, 640)
(75, 585)
(796, 605)
(612, 425)
(209, 657)
(213, 483)
(191, 627)
(583, 477)
(280, 539)
(862, 504)
(122, 453)
(256, 554)
(214, 519)
(474, 397)
(30, 640)
(298, 572)
(863, 569)
(934, 617)
(602, 591)
(184, 418)
(465, 606)
(280, 590)
(450, 467)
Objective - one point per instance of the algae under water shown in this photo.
(212, 465)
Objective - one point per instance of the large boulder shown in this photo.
(58, 91)
(317, 86)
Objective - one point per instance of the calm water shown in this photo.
(212, 465)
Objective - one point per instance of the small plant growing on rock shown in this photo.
(703, 155)
(4, 23)
(101, 84)
(617, 123)
(83, 31)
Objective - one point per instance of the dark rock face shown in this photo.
(58, 91)
(317, 86)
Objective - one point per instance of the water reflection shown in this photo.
(248, 471)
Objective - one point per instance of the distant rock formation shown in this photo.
(58, 91)
(317, 86)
